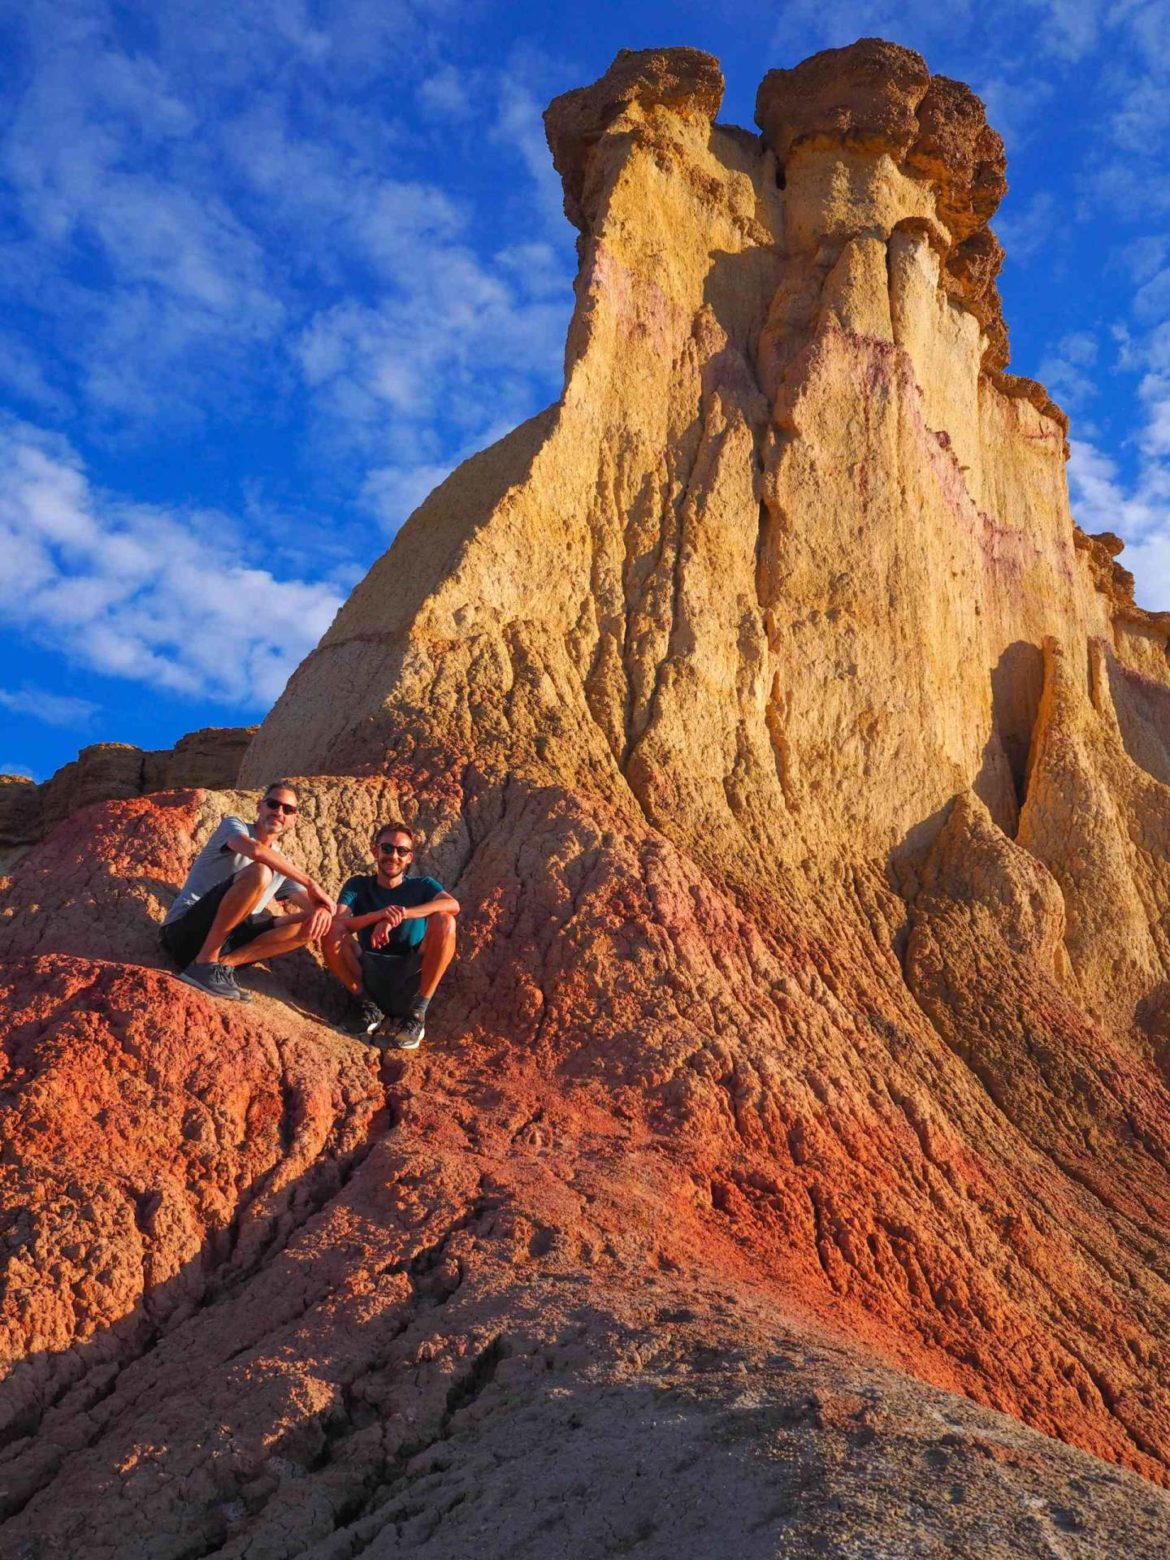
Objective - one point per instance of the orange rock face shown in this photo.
(787, 1170)
(109, 770)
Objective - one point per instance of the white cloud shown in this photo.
(1065, 370)
(1149, 563)
(1142, 116)
(1143, 257)
(1013, 104)
(340, 209)
(232, 202)
(1137, 509)
(126, 222)
(1099, 496)
(97, 153)
(400, 224)
(1025, 230)
(144, 593)
(1070, 28)
(536, 266)
(19, 771)
(24, 376)
(448, 340)
(1130, 179)
(1148, 22)
(520, 125)
(444, 95)
(456, 345)
(55, 709)
(391, 493)
(1151, 302)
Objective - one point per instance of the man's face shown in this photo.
(278, 811)
(394, 853)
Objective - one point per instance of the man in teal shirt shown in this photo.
(392, 940)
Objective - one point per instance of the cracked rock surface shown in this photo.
(787, 1170)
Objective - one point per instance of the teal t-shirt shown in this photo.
(363, 895)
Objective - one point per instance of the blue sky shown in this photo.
(269, 268)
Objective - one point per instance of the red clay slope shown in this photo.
(650, 1124)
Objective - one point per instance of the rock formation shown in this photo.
(789, 1167)
(108, 771)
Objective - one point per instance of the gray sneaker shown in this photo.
(410, 1033)
(367, 1019)
(217, 980)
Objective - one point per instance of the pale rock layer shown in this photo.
(779, 567)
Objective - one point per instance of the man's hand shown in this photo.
(392, 916)
(321, 898)
(320, 922)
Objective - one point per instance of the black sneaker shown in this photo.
(217, 980)
(386, 1034)
(410, 1033)
(368, 1018)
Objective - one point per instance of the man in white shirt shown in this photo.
(217, 922)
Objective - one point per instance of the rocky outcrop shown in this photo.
(682, 83)
(20, 811)
(104, 772)
(108, 771)
(798, 1107)
(764, 1159)
(879, 102)
(147, 1159)
(782, 517)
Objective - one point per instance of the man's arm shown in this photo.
(357, 923)
(320, 916)
(445, 902)
(394, 915)
(245, 845)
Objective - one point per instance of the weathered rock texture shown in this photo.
(108, 771)
(798, 1107)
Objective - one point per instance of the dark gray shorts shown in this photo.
(392, 979)
(183, 938)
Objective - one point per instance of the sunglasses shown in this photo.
(288, 808)
(396, 850)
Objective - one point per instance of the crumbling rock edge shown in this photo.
(108, 770)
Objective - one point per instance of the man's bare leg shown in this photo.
(239, 901)
(438, 949)
(343, 957)
(289, 933)
(405, 1033)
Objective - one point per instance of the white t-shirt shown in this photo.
(214, 864)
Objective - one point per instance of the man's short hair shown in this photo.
(282, 785)
(393, 828)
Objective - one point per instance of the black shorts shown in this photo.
(182, 939)
(392, 979)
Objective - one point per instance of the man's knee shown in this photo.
(334, 938)
(255, 875)
(440, 928)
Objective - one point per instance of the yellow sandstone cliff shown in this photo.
(783, 566)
